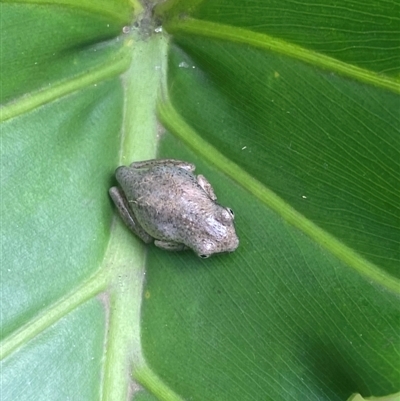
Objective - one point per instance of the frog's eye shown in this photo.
(225, 215)
(204, 256)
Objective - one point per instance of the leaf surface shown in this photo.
(291, 111)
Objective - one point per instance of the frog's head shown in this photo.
(219, 233)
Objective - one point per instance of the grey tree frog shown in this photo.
(163, 201)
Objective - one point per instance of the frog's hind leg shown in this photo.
(202, 181)
(169, 245)
(164, 162)
(127, 215)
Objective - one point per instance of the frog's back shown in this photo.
(169, 189)
(170, 204)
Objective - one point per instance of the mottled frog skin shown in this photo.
(163, 201)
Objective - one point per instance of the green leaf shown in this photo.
(357, 397)
(291, 110)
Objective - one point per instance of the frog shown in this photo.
(163, 201)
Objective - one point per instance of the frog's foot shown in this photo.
(164, 162)
(127, 215)
(169, 245)
(202, 181)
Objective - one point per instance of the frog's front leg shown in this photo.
(127, 215)
(202, 181)
(169, 245)
(163, 162)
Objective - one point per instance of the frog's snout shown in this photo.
(235, 243)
